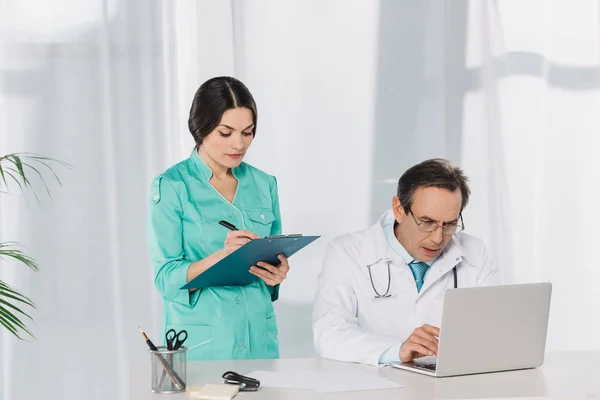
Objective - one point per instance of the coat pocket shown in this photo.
(199, 336)
(263, 216)
(261, 220)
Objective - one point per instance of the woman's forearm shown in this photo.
(200, 266)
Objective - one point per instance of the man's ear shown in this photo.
(399, 212)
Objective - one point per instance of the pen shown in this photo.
(228, 225)
(175, 379)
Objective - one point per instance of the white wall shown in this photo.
(312, 75)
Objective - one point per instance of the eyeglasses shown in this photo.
(431, 226)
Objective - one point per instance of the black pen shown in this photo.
(228, 225)
(231, 226)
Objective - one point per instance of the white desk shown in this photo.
(567, 375)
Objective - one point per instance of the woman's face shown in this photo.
(228, 142)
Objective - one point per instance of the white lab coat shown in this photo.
(349, 324)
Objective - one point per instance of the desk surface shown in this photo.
(572, 375)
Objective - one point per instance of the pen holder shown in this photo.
(168, 369)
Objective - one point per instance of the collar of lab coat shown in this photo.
(375, 248)
(204, 172)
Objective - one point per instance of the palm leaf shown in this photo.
(2, 175)
(11, 299)
(41, 177)
(17, 168)
(44, 162)
(8, 172)
(9, 311)
(11, 293)
(20, 166)
(13, 323)
(7, 250)
(17, 161)
(5, 305)
(23, 182)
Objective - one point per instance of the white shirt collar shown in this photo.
(395, 244)
(374, 247)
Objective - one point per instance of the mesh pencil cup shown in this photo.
(168, 369)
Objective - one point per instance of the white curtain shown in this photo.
(350, 94)
(83, 82)
(530, 126)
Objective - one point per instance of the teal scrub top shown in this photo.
(233, 322)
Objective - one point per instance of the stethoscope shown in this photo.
(387, 292)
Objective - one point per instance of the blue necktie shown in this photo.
(418, 268)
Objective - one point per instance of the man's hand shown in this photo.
(422, 342)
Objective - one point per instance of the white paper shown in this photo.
(570, 397)
(323, 382)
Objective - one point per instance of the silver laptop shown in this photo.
(489, 329)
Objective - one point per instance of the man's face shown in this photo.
(430, 204)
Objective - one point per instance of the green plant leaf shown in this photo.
(8, 318)
(44, 162)
(17, 161)
(41, 178)
(25, 181)
(12, 323)
(2, 174)
(18, 168)
(8, 305)
(8, 169)
(9, 292)
(9, 325)
(7, 250)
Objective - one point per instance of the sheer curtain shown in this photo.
(350, 93)
(530, 140)
(86, 83)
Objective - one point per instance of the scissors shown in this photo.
(174, 341)
(173, 336)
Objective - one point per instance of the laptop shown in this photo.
(489, 329)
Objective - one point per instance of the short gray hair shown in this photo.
(436, 172)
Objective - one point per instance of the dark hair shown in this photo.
(436, 172)
(212, 99)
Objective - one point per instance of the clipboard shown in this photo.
(233, 269)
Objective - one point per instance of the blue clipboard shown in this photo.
(233, 269)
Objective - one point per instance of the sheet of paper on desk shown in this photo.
(570, 397)
(323, 382)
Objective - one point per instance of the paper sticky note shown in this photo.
(216, 392)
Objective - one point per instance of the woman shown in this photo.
(185, 238)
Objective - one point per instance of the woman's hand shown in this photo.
(236, 239)
(270, 274)
(233, 241)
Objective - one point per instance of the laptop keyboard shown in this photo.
(428, 367)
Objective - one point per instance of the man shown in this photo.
(380, 292)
